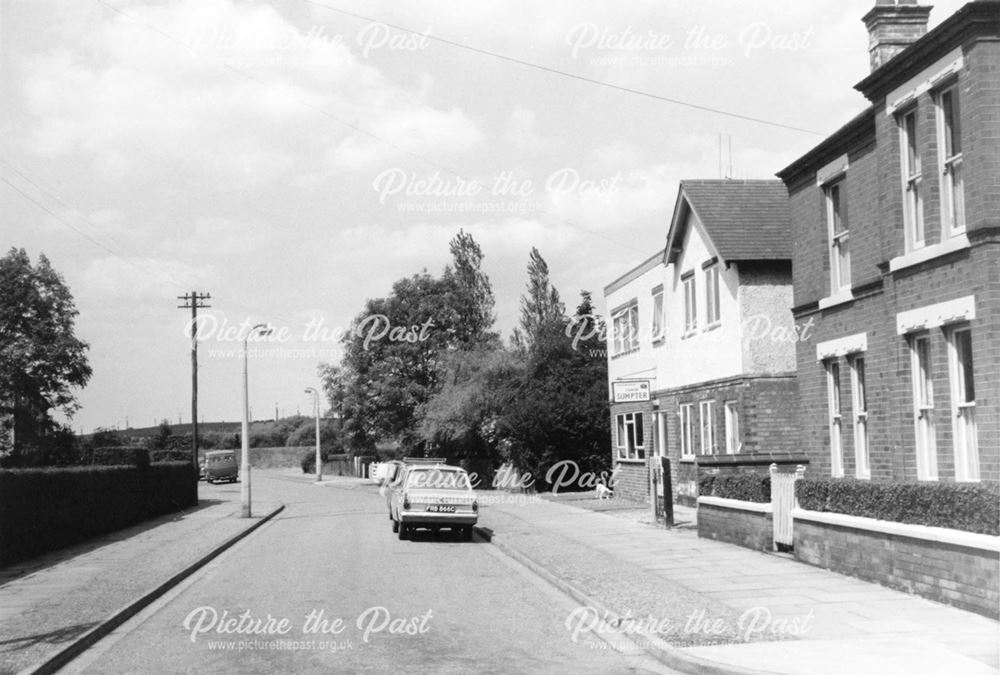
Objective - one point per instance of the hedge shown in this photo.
(48, 508)
(972, 507)
(118, 456)
(747, 487)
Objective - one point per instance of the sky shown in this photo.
(293, 158)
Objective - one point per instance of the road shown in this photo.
(326, 587)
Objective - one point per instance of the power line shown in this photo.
(325, 113)
(60, 219)
(563, 73)
(279, 90)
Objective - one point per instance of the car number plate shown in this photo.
(441, 508)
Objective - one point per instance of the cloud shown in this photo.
(248, 99)
(140, 277)
(521, 130)
(418, 130)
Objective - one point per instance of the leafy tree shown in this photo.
(541, 308)
(106, 438)
(41, 360)
(330, 436)
(558, 407)
(396, 350)
(458, 422)
(471, 292)
(163, 434)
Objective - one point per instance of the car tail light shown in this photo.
(475, 507)
(406, 502)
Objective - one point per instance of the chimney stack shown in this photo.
(893, 25)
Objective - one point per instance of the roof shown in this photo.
(978, 18)
(744, 219)
(859, 128)
(634, 273)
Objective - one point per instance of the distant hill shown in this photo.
(182, 429)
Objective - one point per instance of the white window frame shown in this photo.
(963, 409)
(835, 196)
(835, 405)
(625, 339)
(922, 374)
(690, 303)
(713, 306)
(913, 202)
(859, 410)
(706, 418)
(633, 445)
(685, 416)
(732, 412)
(659, 325)
(950, 162)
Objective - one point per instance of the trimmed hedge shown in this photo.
(170, 455)
(747, 487)
(971, 507)
(49, 508)
(118, 456)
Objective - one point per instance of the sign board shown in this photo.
(631, 391)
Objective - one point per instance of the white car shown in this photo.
(434, 497)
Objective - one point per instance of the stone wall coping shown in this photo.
(736, 504)
(944, 535)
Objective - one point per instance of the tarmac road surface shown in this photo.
(327, 587)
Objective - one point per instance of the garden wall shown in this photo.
(747, 524)
(950, 566)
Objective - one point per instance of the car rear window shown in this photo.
(438, 479)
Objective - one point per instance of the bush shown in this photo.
(170, 486)
(170, 455)
(705, 484)
(119, 456)
(45, 509)
(747, 487)
(971, 507)
(812, 494)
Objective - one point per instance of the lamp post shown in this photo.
(245, 510)
(319, 460)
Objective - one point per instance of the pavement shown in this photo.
(697, 605)
(703, 606)
(55, 606)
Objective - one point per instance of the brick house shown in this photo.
(896, 258)
(701, 354)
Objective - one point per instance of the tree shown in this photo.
(472, 293)
(41, 360)
(396, 351)
(162, 437)
(541, 309)
(558, 409)
(458, 422)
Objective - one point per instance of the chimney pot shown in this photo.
(893, 25)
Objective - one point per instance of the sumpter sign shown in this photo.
(627, 392)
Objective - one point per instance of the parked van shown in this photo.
(221, 465)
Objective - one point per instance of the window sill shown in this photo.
(630, 461)
(838, 298)
(950, 245)
(712, 326)
(625, 353)
(689, 334)
(659, 342)
(687, 460)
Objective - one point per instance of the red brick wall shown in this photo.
(875, 211)
(768, 422)
(956, 575)
(750, 529)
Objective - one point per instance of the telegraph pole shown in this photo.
(194, 301)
